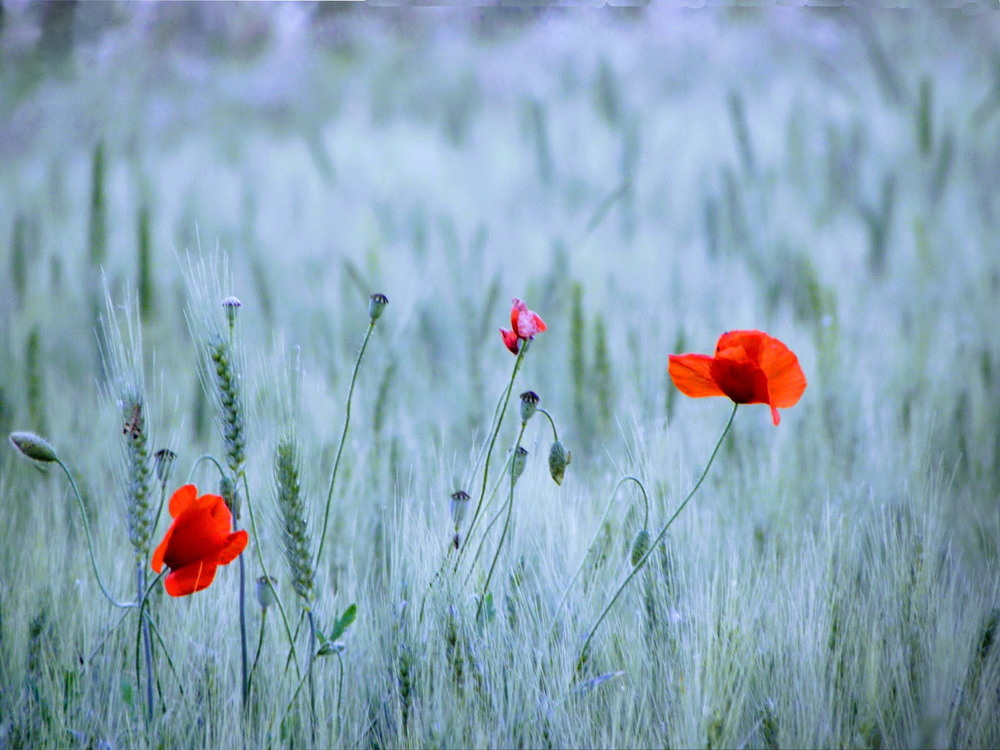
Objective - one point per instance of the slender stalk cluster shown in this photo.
(294, 526)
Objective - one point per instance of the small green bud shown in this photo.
(518, 462)
(639, 547)
(227, 488)
(529, 405)
(458, 506)
(265, 591)
(559, 459)
(33, 446)
(376, 304)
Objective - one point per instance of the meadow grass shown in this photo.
(645, 181)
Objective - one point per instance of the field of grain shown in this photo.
(644, 179)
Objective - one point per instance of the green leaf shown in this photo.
(343, 623)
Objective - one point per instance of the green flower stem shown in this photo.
(498, 419)
(260, 644)
(652, 547)
(146, 642)
(340, 687)
(489, 526)
(343, 440)
(90, 540)
(206, 457)
(142, 637)
(600, 525)
(555, 433)
(506, 523)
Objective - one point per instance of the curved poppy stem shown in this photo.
(90, 540)
(590, 547)
(652, 547)
(205, 457)
(498, 418)
(555, 433)
(343, 440)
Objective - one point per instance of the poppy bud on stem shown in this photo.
(34, 447)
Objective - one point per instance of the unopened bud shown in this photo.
(559, 459)
(518, 462)
(640, 545)
(227, 488)
(376, 304)
(164, 464)
(458, 506)
(33, 446)
(265, 591)
(529, 404)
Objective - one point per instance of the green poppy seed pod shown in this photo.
(227, 488)
(34, 447)
(640, 546)
(265, 591)
(376, 304)
(518, 462)
(529, 405)
(559, 459)
(232, 305)
(458, 506)
(164, 464)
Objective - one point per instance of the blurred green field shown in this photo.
(645, 179)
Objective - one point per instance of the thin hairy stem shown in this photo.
(652, 547)
(343, 440)
(90, 540)
(555, 433)
(205, 457)
(260, 645)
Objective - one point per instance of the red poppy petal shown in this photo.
(529, 324)
(235, 544)
(516, 308)
(691, 374)
(198, 533)
(785, 380)
(742, 345)
(742, 380)
(219, 513)
(775, 417)
(194, 577)
(159, 552)
(182, 499)
(510, 340)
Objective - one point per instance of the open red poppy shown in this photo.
(197, 542)
(749, 367)
(524, 323)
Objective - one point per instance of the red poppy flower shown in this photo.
(749, 367)
(525, 324)
(197, 542)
